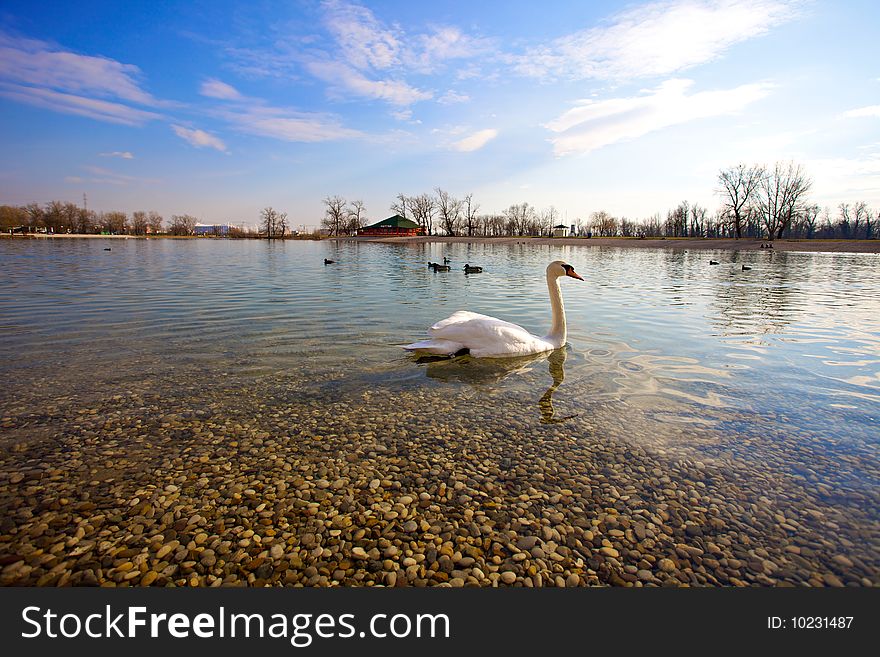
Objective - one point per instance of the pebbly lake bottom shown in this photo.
(174, 474)
(211, 412)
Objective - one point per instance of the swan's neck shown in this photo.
(557, 333)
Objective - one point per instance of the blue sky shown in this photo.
(218, 109)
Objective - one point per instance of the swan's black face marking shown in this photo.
(569, 271)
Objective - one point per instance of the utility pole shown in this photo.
(85, 201)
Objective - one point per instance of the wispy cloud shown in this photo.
(363, 57)
(364, 42)
(199, 138)
(102, 176)
(451, 97)
(657, 39)
(125, 155)
(41, 74)
(344, 78)
(594, 124)
(475, 141)
(102, 110)
(287, 124)
(213, 88)
(872, 111)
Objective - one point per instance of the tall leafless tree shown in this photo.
(470, 214)
(448, 211)
(182, 224)
(783, 194)
(357, 214)
(139, 222)
(402, 205)
(423, 208)
(154, 222)
(739, 186)
(335, 214)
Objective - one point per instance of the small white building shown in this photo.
(560, 231)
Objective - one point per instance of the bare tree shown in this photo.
(273, 224)
(335, 215)
(448, 211)
(139, 222)
(861, 216)
(115, 223)
(739, 186)
(548, 220)
(154, 222)
(356, 217)
(603, 224)
(182, 224)
(470, 214)
(401, 205)
(519, 218)
(34, 212)
(423, 208)
(782, 197)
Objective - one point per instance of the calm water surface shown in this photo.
(777, 367)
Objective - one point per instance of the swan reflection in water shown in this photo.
(485, 371)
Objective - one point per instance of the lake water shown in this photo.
(749, 396)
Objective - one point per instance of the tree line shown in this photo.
(756, 202)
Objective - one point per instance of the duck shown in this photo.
(482, 336)
(446, 260)
(437, 267)
(746, 268)
(328, 262)
(106, 248)
(468, 269)
(714, 262)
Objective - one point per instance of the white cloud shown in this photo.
(104, 176)
(364, 42)
(593, 124)
(40, 65)
(40, 74)
(125, 155)
(199, 138)
(445, 43)
(213, 88)
(872, 111)
(289, 125)
(342, 76)
(656, 39)
(93, 108)
(451, 97)
(475, 141)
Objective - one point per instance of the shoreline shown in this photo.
(721, 244)
(728, 244)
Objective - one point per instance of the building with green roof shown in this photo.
(395, 226)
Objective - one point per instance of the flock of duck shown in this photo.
(468, 268)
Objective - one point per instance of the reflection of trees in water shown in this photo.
(487, 371)
(761, 301)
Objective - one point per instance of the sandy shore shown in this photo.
(841, 246)
(850, 246)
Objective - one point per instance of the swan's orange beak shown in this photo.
(571, 272)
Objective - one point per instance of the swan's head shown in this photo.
(559, 268)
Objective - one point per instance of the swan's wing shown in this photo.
(438, 347)
(464, 317)
(486, 336)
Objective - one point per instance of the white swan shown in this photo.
(488, 337)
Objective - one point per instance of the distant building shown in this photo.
(396, 226)
(560, 230)
(212, 229)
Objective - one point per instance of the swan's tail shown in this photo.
(438, 347)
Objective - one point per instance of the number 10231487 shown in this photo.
(810, 622)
